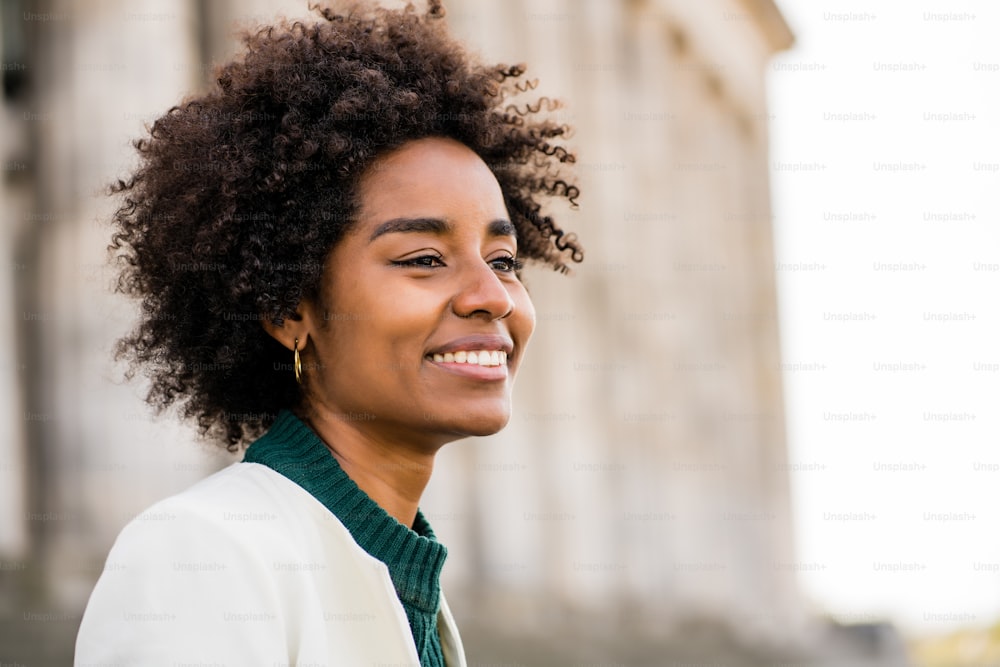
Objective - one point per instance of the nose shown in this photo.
(481, 293)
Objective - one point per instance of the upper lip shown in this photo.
(475, 343)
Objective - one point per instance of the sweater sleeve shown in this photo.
(182, 587)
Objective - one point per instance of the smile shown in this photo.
(472, 357)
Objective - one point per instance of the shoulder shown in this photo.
(231, 525)
(247, 521)
(240, 485)
(244, 501)
(194, 565)
(236, 567)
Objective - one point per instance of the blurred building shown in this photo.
(639, 495)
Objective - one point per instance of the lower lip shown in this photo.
(472, 371)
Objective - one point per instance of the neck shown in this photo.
(393, 475)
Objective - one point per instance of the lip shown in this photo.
(472, 371)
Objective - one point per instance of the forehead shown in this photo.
(433, 177)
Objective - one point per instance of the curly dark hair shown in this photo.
(242, 192)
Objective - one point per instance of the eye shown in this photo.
(423, 261)
(507, 264)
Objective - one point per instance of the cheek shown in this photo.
(524, 314)
(356, 321)
(396, 328)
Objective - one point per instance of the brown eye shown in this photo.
(507, 264)
(428, 261)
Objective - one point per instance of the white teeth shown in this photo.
(477, 357)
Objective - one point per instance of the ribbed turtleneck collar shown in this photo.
(414, 556)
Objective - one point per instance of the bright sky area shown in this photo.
(885, 167)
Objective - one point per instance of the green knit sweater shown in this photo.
(414, 557)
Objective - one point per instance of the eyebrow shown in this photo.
(499, 227)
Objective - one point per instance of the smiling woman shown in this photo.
(327, 248)
(403, 292)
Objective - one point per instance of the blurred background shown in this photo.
(756, 427)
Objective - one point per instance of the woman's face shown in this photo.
(423, 323)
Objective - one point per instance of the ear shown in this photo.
(297, 326)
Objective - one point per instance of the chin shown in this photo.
(480, 423)
(486, 429)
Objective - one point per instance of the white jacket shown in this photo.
(247, 568)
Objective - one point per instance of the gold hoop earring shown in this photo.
(297, 364)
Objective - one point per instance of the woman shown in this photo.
(327, 248)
